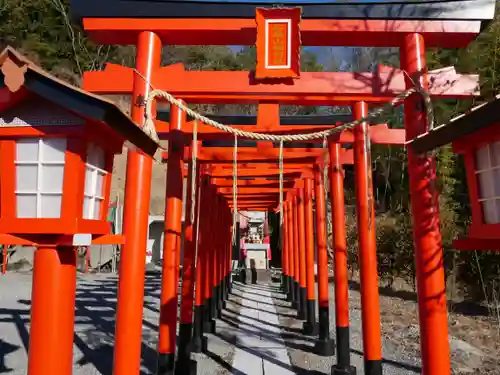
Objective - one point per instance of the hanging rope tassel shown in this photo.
(325, 167)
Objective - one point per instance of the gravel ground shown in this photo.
(474, 339)
(474, 336)
(395, 362)
(94, 327)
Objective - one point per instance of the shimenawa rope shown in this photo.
(149, 128)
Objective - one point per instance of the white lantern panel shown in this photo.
(51, 206)
(497, 208)
(94, 182)
(100, 183)
(87, 205)
(52, 178)
(496, 181)
(495, 154)
(89, 181)
(27, 177)
(27, 149)
(489, 212)
(485, 185)
(97, 209)
(482, 158)
(26, 205)
(53, 150)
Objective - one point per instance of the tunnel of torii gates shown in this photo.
(149, 25)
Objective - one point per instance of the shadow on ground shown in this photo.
(94, 324)
(466, 308)
(95, 321)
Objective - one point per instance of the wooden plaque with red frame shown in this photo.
(278, 42)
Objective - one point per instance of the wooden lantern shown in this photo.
(481, 152)
(57, 145)
(476, 136)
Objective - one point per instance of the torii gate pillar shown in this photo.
(128, 334)
(431, 288)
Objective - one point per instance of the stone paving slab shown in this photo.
(266, 353)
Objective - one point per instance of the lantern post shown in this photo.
(53, 300)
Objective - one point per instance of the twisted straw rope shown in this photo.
(149, 127)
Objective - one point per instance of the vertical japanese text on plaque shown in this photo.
(277, 47)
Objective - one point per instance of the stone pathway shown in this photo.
(260, 350)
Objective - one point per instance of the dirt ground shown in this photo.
(473, 330)
(474, 338)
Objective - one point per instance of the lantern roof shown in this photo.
(477, 118)
(18, 74)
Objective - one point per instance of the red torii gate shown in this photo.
(267, 197)
(313, 88)
(301, 290)
(364, 194)
(441, 28)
